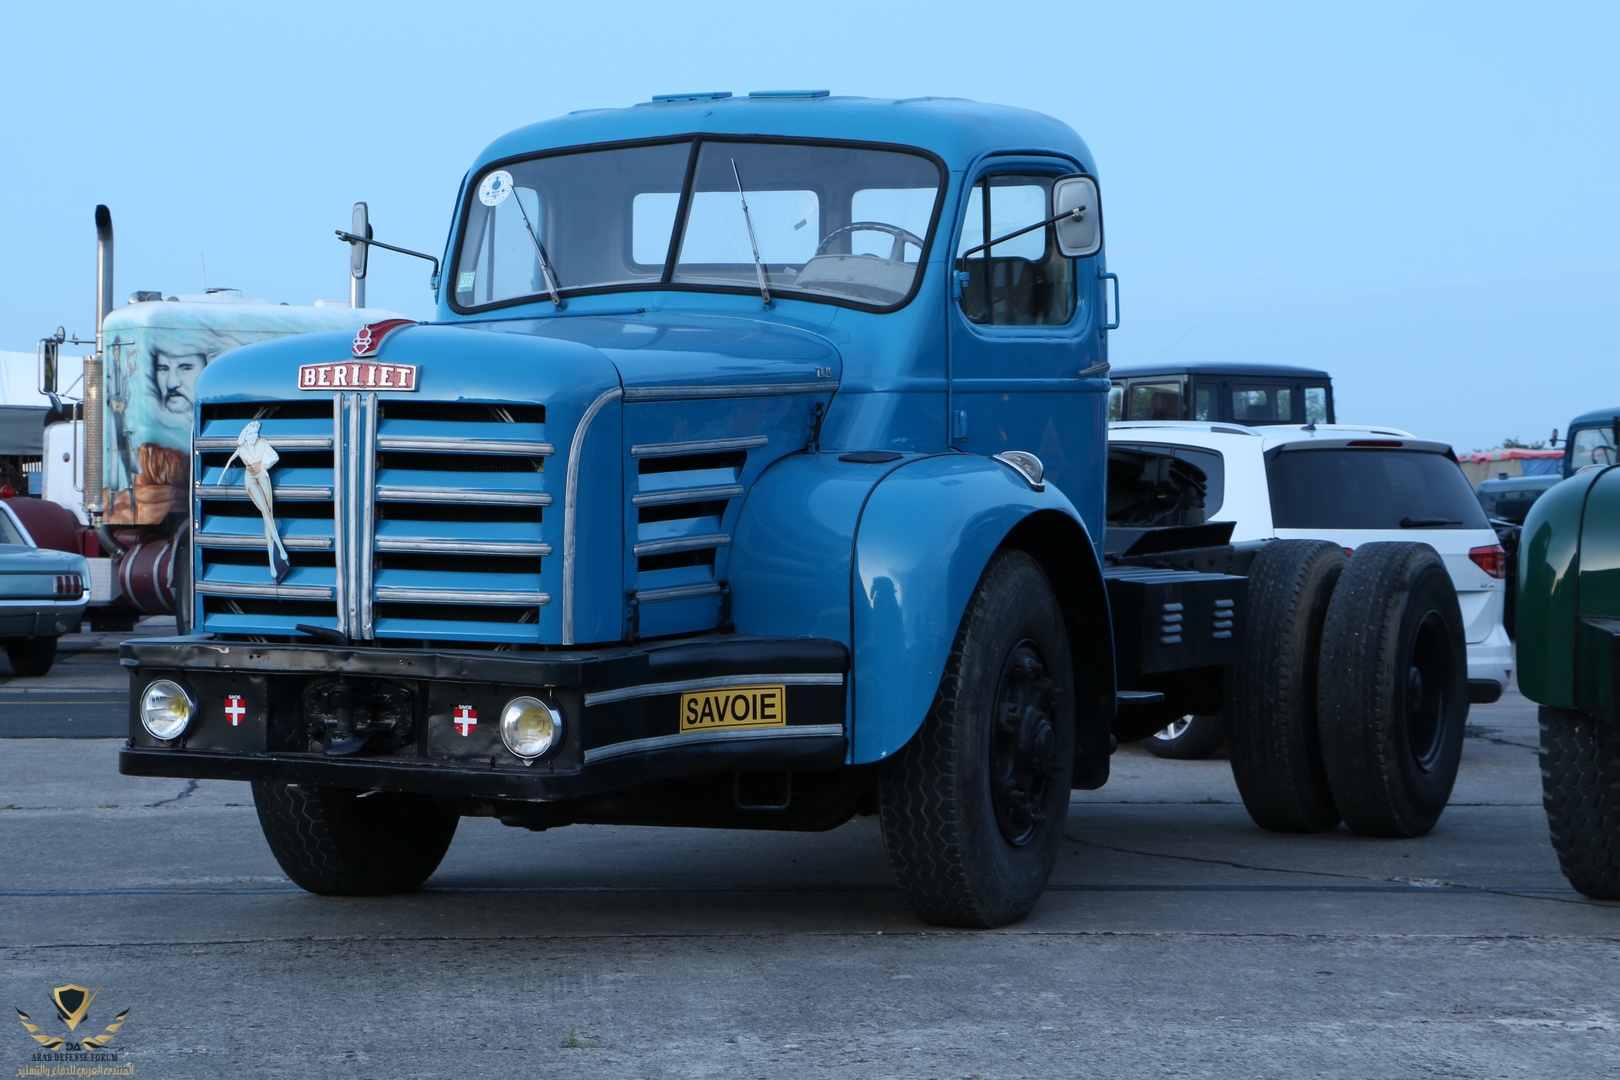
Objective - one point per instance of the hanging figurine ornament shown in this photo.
(257, 456)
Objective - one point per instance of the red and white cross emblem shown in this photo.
(235, 709)
(466, 718)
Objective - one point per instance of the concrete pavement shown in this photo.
(1176, 940)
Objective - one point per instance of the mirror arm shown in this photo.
(1076, 214)
(350, 238)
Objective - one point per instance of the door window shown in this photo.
(1023, 281)
(1116, 402)
(1155, 401)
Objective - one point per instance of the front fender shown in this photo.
(922, 542)
(1549, 550)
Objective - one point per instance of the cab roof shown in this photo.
(956, 129)
(1215, 367)
(1596, 416)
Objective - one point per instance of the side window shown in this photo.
(1155, 401)
(1316, 411)
(1152, 484)
(1263, 404)
(1116, 402)
(1204, 403)
(1023, 281)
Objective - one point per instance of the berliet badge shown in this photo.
(368, 375)
(257, 457)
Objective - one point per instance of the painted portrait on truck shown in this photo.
(156, 351)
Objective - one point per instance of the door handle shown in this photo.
(1115, 279)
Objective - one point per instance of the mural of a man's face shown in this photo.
(175, 377)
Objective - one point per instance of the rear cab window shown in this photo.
(1370, 488)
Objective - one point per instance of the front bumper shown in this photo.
(620, 705)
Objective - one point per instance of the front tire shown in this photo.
(339, 842)
(1580, 784)
(974, 806)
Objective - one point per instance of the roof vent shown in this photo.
(806, 94)
(674, 99)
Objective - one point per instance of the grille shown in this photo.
(432, 511)
(683, 490)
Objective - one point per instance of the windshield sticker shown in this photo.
(465, 281)
(495, 187)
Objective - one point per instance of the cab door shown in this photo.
(1024, 322)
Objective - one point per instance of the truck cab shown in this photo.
(1591, 440)
(1249, 394)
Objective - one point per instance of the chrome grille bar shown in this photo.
(291, 543)
(340, 520)
(283, 494)
(698, 446)
(523, 548)
(684, 495)
(493, 597)
(459, 495)
(368, 517)
(268, 592)
(280, 442)
(680, 543)
(465, 446)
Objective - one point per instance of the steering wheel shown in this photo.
(901, 238)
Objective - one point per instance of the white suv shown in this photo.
(1351, 485)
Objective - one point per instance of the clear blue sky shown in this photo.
(1419, 197)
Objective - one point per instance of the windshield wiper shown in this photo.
(545, 260)
(759, 267)
(1427, 522)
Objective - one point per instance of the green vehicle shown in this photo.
(1569, 662)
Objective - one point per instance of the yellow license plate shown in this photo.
(734, 707)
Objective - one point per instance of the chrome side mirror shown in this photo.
(1077, 213)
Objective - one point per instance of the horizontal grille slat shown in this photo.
(446, 445)
(681, 543)
(686, 495)
(403, 595)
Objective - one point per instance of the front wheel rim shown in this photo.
(1023, 745)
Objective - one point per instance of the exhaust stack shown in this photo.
(94, 373)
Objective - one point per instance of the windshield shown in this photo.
(831, 222)
(1591, 446)
(1370, 489)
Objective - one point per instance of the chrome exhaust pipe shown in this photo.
(95, 383)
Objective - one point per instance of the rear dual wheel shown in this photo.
(1392, 699)
(973, 807)
(1352, 696)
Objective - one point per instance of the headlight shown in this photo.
(530, 728)
(166, 709)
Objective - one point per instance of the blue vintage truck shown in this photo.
(751, 474)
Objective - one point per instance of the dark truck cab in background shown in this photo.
(1248, 394)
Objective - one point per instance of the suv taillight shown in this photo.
(1492, 560)
(69, 585)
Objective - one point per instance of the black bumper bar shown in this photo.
(430, 719)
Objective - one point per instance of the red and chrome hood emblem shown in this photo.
(370, 337)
